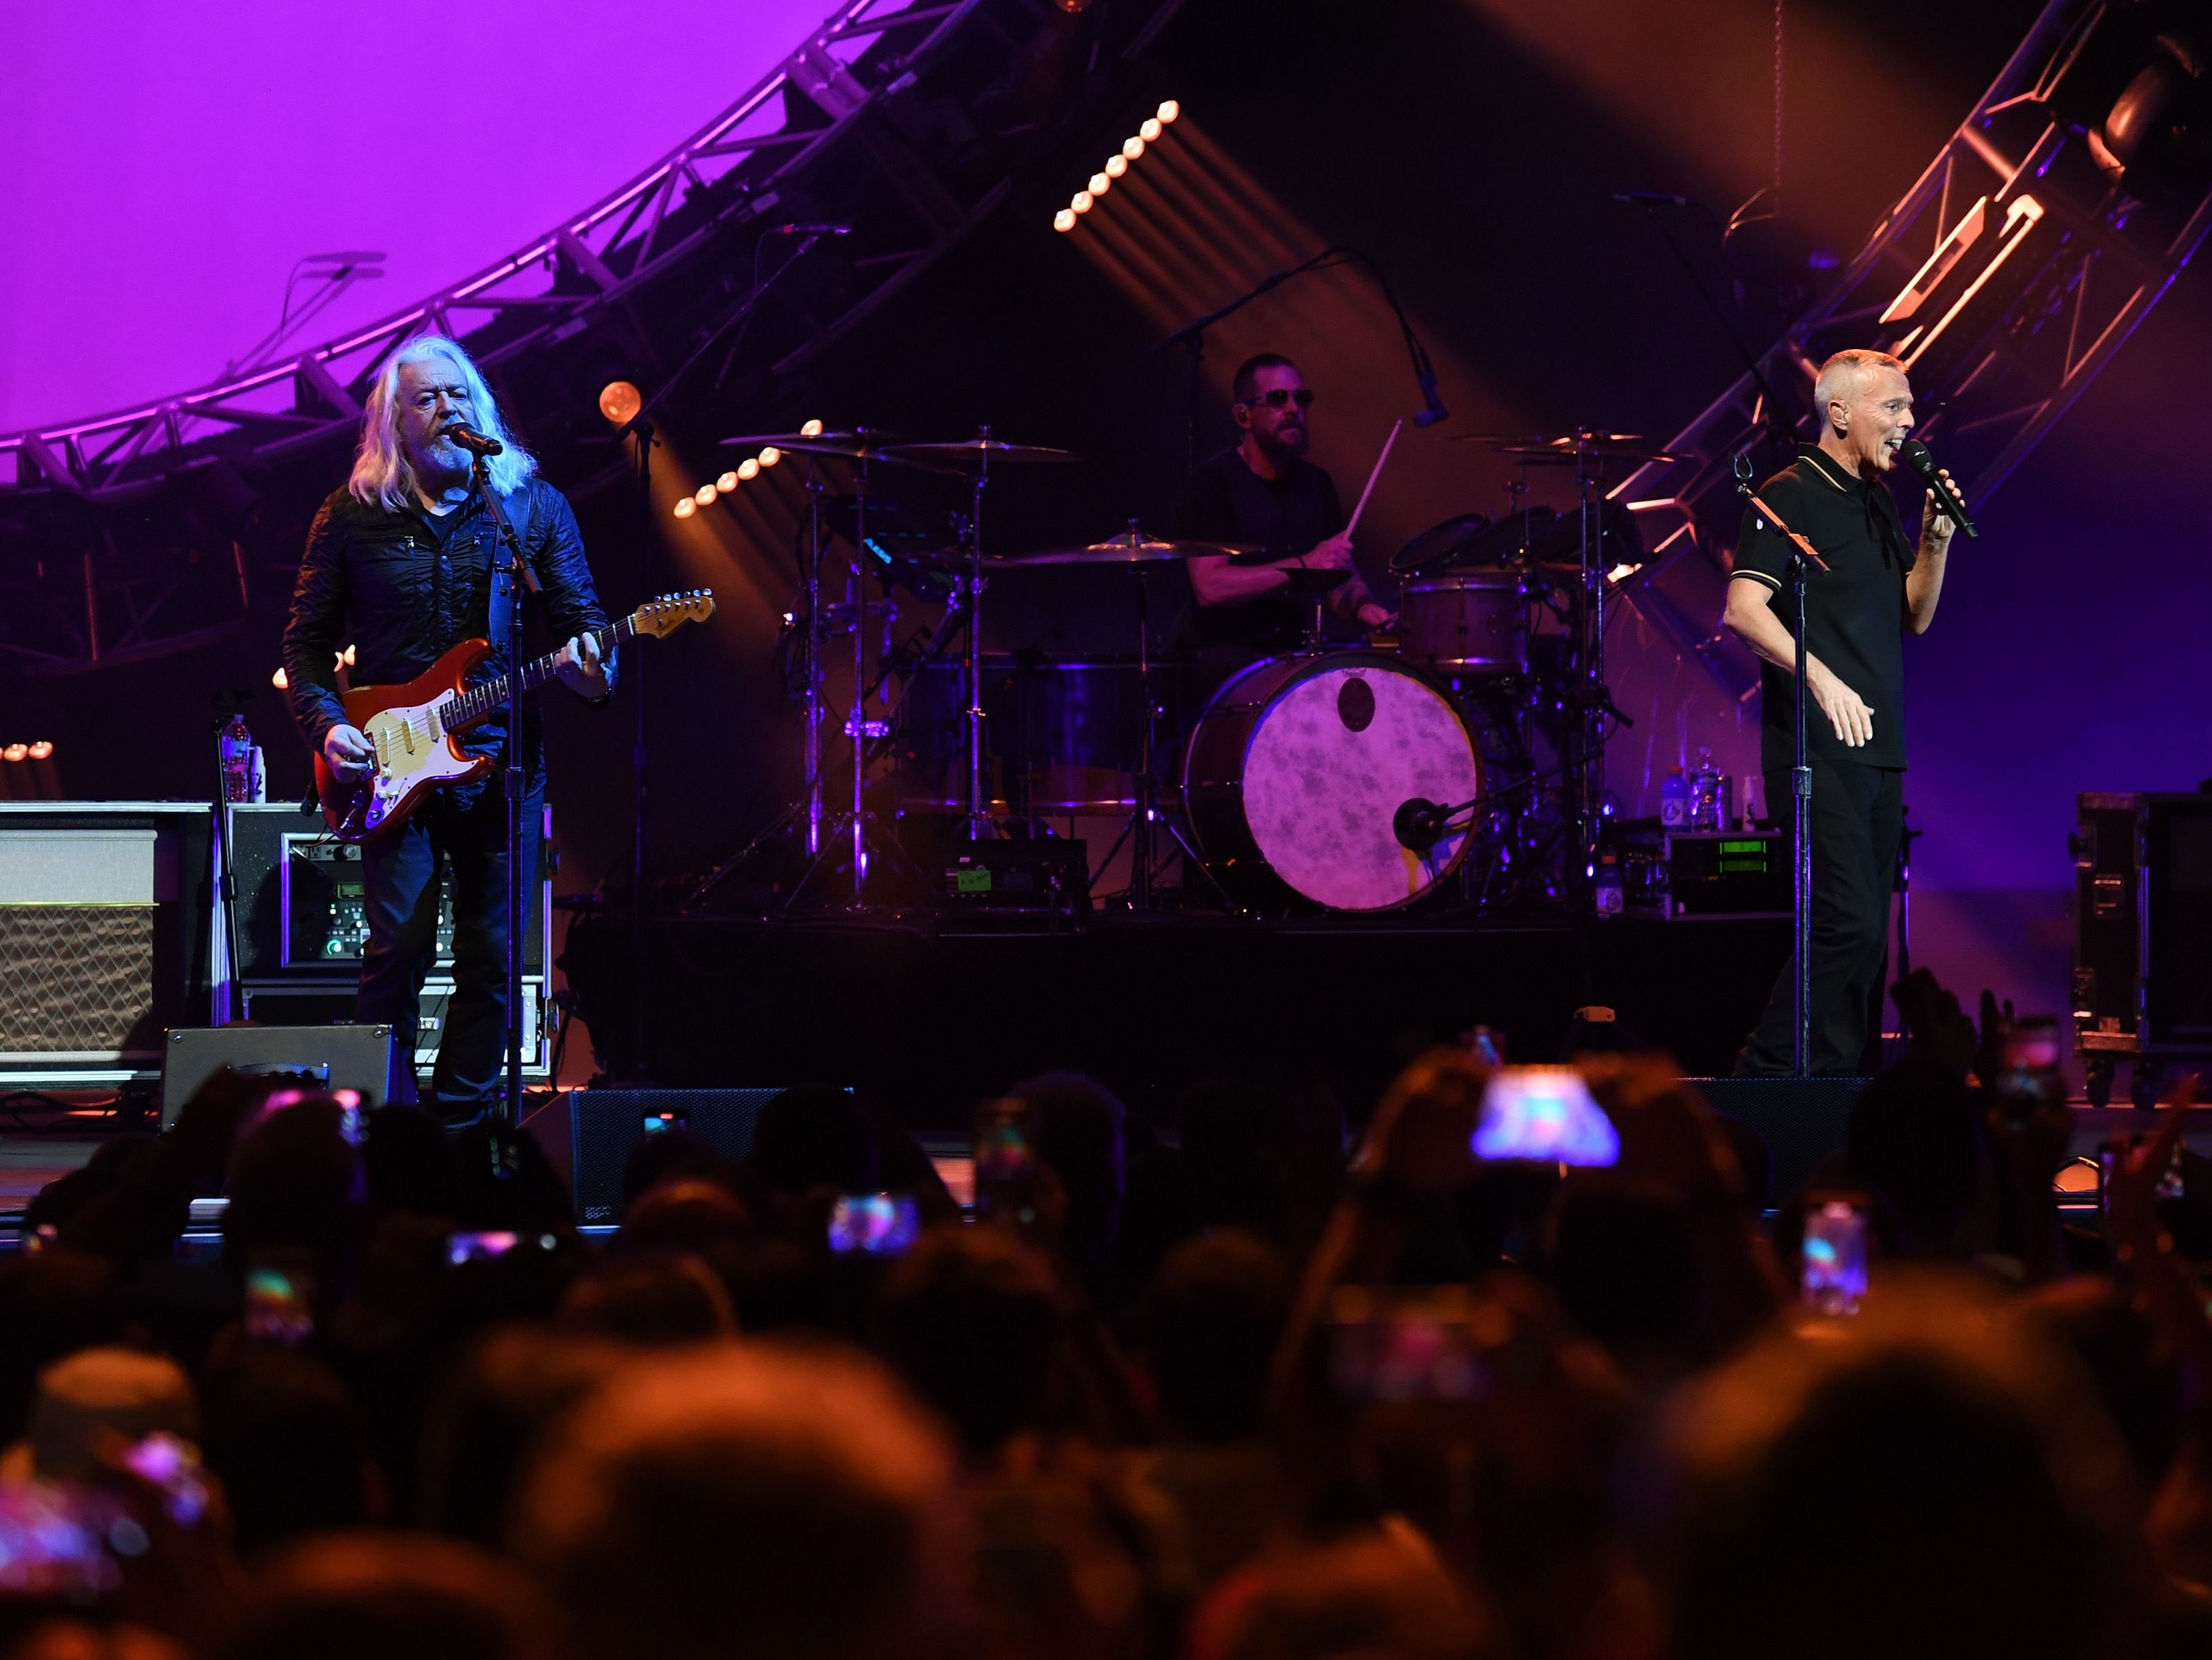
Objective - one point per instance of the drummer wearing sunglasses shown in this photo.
(1266, 493)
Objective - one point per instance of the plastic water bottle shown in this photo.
(243, 778)
(1705, 794)
(1674, 801)
(1607, 888)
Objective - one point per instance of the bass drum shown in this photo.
(1299, 765)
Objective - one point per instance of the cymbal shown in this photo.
(1567, 447)
(1130, 548)
(979, 451)
(858, 444)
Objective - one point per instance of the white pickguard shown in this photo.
(410, 750)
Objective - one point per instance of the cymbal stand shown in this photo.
(1590, 771)
(1147, 814)
(854, 820)
(979, 819)
(806, 811)
(810, 744)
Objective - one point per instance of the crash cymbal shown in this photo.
(1130, 548)
(978, 450)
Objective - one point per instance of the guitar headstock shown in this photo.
(671, 611)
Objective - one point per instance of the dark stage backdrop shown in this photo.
(1470, 146)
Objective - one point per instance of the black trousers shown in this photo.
(1858, 814)
(401, 888)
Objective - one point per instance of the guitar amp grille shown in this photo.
(77, 981)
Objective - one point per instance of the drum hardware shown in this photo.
(1140, 552)
(859, 447)
(1314, 586)
(973, 457)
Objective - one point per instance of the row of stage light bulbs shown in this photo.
(1117, 164)
(37, 751)
(744, 473)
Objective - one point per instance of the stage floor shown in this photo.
(930, 1017)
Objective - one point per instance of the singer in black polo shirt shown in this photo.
(1878, 586)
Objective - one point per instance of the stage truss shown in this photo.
(130, 535)
(2007, 278)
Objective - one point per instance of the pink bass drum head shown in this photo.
(1336, 748)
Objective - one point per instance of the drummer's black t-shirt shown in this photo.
(1224, 500)
(1854, 610)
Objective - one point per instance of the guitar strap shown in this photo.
(502, 584)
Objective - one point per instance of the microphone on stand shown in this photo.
(1436, 411)
(473, 441)
(1915, 456)
(1419, 823)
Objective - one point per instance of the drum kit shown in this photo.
(1345, 779)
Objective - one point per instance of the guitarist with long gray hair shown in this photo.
(398, 564)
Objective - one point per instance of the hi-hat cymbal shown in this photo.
(1130, 548)
(980, 451)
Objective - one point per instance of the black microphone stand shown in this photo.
(512, 577)
(1802, 556)
(1192, 335)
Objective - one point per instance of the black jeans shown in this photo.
(400, 880)
(1858, 814)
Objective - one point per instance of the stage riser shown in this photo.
(930, 1025)
(1802, 1119)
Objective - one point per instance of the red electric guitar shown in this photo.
(412, 728)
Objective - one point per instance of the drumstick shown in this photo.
(1353, 524)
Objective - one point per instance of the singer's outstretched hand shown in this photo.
(1935, 525)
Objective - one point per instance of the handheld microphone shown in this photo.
(1915, 456)
(1436, 411)
(1652, 198)
(473, 441)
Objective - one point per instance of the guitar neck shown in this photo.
(479, 700)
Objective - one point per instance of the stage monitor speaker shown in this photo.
(604, 1125)
(1802, 1119)
(362, 1058)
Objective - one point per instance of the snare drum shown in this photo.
(1467, 622)
(1298, 766)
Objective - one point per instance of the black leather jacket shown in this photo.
(378, 581)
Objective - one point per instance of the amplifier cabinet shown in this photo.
(299, 906)
(104, 909)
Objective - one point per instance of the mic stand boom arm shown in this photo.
(1802, 556)
(1192, 334)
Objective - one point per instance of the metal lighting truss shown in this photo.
(124, 537)
(2005, 279)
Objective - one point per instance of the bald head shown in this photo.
(1865, 405)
